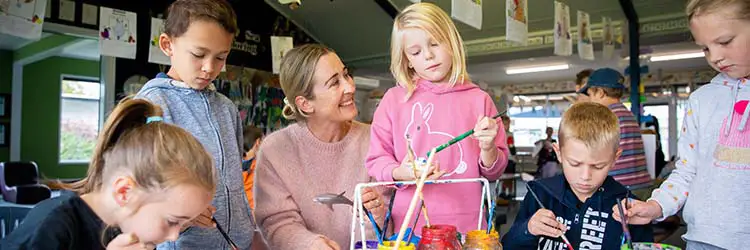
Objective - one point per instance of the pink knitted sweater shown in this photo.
(293, 167)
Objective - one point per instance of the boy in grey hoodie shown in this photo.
(197, 37)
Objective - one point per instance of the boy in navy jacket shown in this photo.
(578, 203)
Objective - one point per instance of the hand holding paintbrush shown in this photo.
(544, 222)
(407, 170)
(624, 223)
(638, 212)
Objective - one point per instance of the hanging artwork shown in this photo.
(585, 43)
(89, 14)
(155, 55)
(117, 33)
(468, 12)
(563, 39)
(67, 11)
(516, 19)
(608, 43)
(279, 46)
(22, 18)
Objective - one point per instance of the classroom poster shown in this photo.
(468, 12)
(608, 43)
(516, 18)
(22, 18)
(117, 33)
(585, 46)
(563, 39)
(279, 46)
(155, 55)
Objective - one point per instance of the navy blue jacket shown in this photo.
(590, 223)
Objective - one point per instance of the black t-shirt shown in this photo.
(63, 222)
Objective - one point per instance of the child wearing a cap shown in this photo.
(605, 87)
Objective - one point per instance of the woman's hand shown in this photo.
(374, 202)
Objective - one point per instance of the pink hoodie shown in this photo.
(432, 116)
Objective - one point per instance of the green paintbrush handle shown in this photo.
(460, 137)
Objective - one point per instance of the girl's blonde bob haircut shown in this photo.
(438, 24)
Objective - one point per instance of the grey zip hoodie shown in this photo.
(214, 120)
(710, 179)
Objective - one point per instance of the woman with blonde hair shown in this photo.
(322, 153)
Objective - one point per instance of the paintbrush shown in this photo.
(490, 221)
(413, 203)
(372, 220)
(387, 217)
(224, 233)
(412, 155)
(413, 227)
(565, 239)
(461, 136)
(624, 223)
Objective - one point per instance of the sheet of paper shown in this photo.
(155, 55)
(468, 12)
(585, 44)
(117, 33)
(608, 43)
(279, 46)
(90, 14)
(516, 20)
(67, 11)
(23, 18)
(562, 36)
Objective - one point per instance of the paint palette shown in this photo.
(649, 246)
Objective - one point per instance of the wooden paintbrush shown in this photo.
(414, 168)
(413, 203)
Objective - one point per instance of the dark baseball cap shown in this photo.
(604, 77)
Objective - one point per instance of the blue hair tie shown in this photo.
(151, 119)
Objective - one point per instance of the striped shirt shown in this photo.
(630, 169)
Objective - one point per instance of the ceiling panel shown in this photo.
(354, 28)
(360, 30)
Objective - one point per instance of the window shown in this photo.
(661, 112)
(532, 114)
(79, 118)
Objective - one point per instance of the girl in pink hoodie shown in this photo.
(434, 102)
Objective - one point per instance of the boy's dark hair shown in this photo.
(250, 134)
(581, 75)
(183, 12)
(610, 92)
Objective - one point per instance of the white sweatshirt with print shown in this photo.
(712, 176)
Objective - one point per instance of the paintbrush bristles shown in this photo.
(413, 203)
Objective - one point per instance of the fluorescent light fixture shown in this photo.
(366, 83)
(532, 69)
(677, 56)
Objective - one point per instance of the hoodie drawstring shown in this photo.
(735, 91)
(745, 114)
